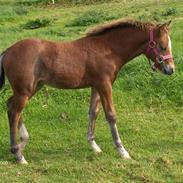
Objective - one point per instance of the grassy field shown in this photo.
(149, 105)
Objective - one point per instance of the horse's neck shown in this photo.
(127, 43)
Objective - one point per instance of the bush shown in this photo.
(37, 23)
(170, 12)
(90, 17)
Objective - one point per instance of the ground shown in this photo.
(149, 105)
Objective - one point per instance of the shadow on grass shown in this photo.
(36, 155)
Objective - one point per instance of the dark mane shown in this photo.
(117, 24)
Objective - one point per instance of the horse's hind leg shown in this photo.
(15, 106)
(93, 112)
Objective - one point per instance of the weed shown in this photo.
(37, 23)
(90, 17)
(171, 11)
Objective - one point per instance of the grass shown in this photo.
(37, 23)
(149, 105)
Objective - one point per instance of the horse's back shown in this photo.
(58, 64)
(75, 64)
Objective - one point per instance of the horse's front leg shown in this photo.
(15, 106)
(24, 136)
(93, 112)
(105, 92)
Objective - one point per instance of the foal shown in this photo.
(92, 61)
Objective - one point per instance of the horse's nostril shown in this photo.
(168, 70)
(172, 70)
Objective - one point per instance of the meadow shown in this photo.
(149, 105)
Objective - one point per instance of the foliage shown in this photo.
(37, 23)
(90, 17)
(171, 11)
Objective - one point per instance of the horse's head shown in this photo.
(159, 49)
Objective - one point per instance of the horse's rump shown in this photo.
(2, 79)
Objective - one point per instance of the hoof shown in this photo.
(127, 156)
(22, 161)
(95, 147)
(97, 150)
(124, 154)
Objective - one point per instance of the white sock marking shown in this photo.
(95, 147)
(23, 132)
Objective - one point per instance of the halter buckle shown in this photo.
(152, 44)
(160, 59)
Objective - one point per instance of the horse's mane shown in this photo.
(121, 23)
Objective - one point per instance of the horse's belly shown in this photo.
(66, 73)
(67, 81)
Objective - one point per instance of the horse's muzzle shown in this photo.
(168, 70)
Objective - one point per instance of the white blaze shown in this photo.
(170, 44)
(170, 49)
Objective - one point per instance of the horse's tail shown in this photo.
(2, 78)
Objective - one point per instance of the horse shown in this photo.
(92, 61)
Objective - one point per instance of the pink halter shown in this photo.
(160, 59)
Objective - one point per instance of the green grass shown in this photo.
(149, 105)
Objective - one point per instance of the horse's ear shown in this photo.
(164, 27)
(168, 23)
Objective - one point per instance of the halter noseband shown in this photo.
(159, 59)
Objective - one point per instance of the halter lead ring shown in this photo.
(152, 47)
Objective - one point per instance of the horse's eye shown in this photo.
(162, 48)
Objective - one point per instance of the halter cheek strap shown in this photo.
(152, 47)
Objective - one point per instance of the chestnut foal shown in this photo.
(92, 61)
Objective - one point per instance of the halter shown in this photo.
(160, 59)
